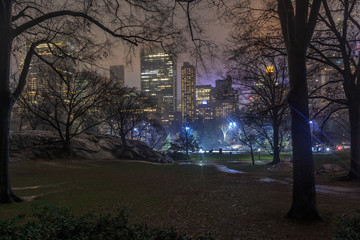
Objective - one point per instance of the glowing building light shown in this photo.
(269, 69)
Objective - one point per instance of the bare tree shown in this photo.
(297, 20)
(154, 134)
(247, 135)
(186, 141)
(128, 110)
(336, 46)
(69, 103)
(265, 80)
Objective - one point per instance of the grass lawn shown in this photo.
(194, 199)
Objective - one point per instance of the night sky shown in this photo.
(215, 30)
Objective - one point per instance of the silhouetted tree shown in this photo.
(186, 141)
(265, 81)
(247, 135)
(128, 109)
(154, 134)
(336, 47)
(69, 103)
(297, 20)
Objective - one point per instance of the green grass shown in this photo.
(194, 199)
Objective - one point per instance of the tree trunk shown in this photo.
(252, 156)
(304, 196)
(276, 157)
(123, 139)
(354, 116)
(6, 195)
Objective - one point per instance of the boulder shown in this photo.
(30, 145)
(330, 168)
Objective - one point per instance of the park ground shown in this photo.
(198, 197)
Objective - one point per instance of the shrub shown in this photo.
(348, 227)
(50, 223)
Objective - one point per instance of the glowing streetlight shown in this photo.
(232, 124)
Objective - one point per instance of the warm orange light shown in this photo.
(269, 69)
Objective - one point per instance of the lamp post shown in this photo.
(187, 140)
(311, 132)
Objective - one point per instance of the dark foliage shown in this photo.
(59, 223)
(348, 227)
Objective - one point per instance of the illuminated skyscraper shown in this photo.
(188, 79)
(39, 69)
(204, 110)
(117, 75)
(158, 80)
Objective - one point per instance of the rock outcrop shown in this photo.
(30, 145)
(330, 168)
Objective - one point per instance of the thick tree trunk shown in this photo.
(354, 116)
(6, 195)
(304, 196)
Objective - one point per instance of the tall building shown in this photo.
(158, 80)
(39, 70)
(39, 74)
(117, 75)
(188, 80)
(224, 99)
(204, 110)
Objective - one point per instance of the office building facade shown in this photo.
(158, 81)
(188, 81)
(204, 110)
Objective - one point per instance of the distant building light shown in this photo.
(204, 102)
(269, 69)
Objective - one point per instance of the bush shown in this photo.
(50, 223)
(348, 227)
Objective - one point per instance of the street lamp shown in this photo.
(232, 124)
(259, 152)
(311, 132)
(187, 140)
